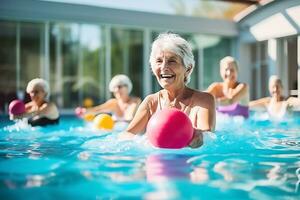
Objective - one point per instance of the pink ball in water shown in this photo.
(170, 128)
(16, 107)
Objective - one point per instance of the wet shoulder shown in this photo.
(203, 99)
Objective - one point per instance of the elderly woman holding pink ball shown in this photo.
(172, 63)
(39, 110)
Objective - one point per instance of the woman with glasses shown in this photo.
(172, 63)
(39, 111)
(123, 106)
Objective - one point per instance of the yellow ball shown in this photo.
(89, 117)
(88, 102)
(104, 121)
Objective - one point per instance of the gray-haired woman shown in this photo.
(123, 106)
(172, 62)
(39, 111)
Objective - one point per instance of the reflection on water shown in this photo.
(244, 159)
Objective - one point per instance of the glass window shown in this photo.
(69, 42)
(92, 81)
(7, 63)
(127, 56)
(31, 52)
(214, 49)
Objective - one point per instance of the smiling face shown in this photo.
(228, 71)
(169, 70)
(121, 91)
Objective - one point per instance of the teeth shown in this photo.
(166, 75)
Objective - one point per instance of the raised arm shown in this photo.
(293, 102)
(206, 119)
(234, 95)
(105, 107)
(259, 103)
(212, 89)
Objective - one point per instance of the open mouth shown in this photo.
(167, 76)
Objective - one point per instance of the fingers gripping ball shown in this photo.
(104, 122)
(16, 107)
(170, 128)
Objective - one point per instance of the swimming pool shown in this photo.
(252, 159)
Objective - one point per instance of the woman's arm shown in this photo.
(259, 103)
(139, 121)
(109, 105)
(293, 102)
(234, 95)
(206, 119)
(48, 110)
(212, 89)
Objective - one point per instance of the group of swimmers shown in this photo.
(172, 63)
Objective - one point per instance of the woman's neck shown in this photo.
(176, 94)
(277, 98)
(124, 99)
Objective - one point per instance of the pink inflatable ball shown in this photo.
(170, 128)
(79, 111)
(16, 107)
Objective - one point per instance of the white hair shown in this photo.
(41, 83)
(228, 59)
(175, 44)
(274, 79)
(120, 79)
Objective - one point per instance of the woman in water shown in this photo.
(39, 110)
(276, 105)
(172, 63)
(230, 91)
(123, 106)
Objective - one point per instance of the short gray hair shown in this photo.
(120, 79)
(39, 82)
(176, 44)
(227, 60)
(275, 79)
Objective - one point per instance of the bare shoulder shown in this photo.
(204, 99)
(151, 98)
(215, 85)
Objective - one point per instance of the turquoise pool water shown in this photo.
(252, 159)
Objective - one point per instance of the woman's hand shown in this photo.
(197, 139)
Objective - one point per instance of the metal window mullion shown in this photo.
(146, 72)
(46, 51)
(18, 49)
(80, 66)
(298, 63)
(58, 65)
(200, 69)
